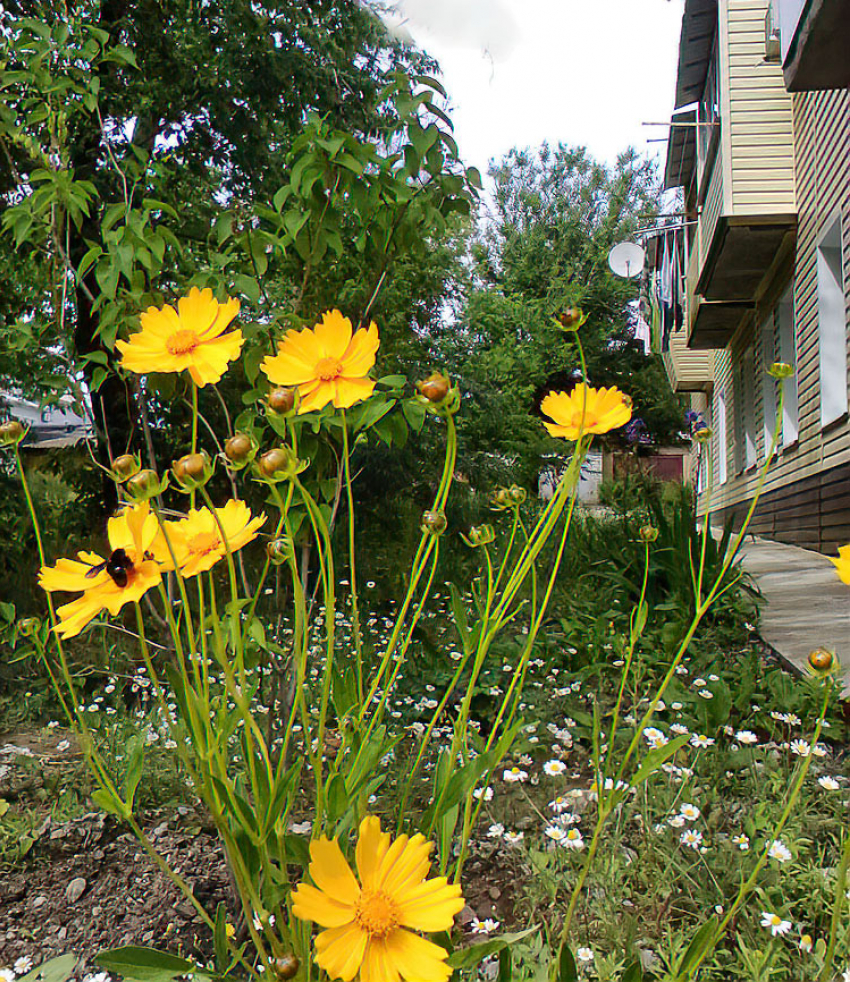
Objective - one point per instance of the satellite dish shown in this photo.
(626, 259)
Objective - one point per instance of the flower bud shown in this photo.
(29, 627)
(125, 466)
(501, 499)
(435, 388)
(283, 400)
(240, 450)
(517, 495)
(781, 370)
(285, 967)
(280, 550)
(571, 319)
(11, 433)
(433, 522)
(192, 470)
(278, 464)
(648, 533)
(479, 535)
(822, 661)
(145, 485)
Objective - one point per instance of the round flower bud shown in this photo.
(822, 661)
(433, 522)
(283, 399)
(125, 466)
(648, 533)
(286, 967)
(192, 470)
(501, 499)
(145, 485)
(29, 626)
(280, 550)
(781, 370)
(11, 432)
(479, 535)
(240, 450)
(278, 464)
(572, 318)
(517, 494)
(435, 388)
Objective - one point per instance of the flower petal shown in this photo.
(331, 872)
(74, 616)
(405, 864)
(359, 356)
(340, 951)
(417, 959)
(313, 399)
(378, 965)
(333, 334)
(372, 846)
(431, 905)
(351, 390)
(311, 904)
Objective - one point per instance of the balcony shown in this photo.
(814, 44)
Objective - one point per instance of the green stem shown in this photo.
(355, 611)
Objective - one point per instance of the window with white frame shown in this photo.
(832, 324)
(788, 354)
(721, 442)
(748, 377)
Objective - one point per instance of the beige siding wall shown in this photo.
(686, 367)
(761, 162)
(822, 167)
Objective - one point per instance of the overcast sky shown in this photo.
(520, 72)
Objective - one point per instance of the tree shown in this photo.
(556, 214)
(289, 153)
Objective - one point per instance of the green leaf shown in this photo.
(634, 973)
(701, 940)
(110, 803)
(144, 964)
(467, 958)
(135, 750)
(54, 970)
(567, 968)
(656, 757)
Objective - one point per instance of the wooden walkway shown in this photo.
(806, 605)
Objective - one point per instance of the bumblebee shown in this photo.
(119, 566)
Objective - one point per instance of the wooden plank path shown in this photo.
(806, 605)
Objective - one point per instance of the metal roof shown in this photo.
(681, 150)
(699, 24)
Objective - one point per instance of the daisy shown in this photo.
(328, 363)
(585, 410)
(801, 748)
(513, 838)
(190, 337)
(23, 965)
(496, 831)
(691, 838)
(553, 768)
(197, 541)
(700, 741)
(369, 923)
(573, 840)
(778, 850)
(487, 926)
(742, 842)
(746, 738)
(690, 812)
(806, 943)
(584, 954)
(828, 783)
(775, 923)
(514, 775)
(555, 833)
(485, 794)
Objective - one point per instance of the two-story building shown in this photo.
(760, 146)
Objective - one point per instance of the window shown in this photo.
(708, 116)
(788, 354)
(832, 325)
(720, 428)
(744, 447)
(769, 391)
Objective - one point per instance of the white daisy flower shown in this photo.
(515, 775)
(828, 783)
(742, 842)
(778, 850)
(512, 838)
(691, 838)
(496, 831)
(553, 768)
(483, 793)
(775, 923)
(701, 741)
(690, 812)
(801, 748)
(746, 738)
(487, 926)
(584, 955)
(23, 965)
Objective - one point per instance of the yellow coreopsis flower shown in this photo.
(128, 573)
(326, 362)
(367, 922)
(197, 541)
(842, 564)
(190, 337)
(585, 410)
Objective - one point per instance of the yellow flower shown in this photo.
(196, 539)
(366, 921)
(585, 410)
(326, 363)
(190, 337)
(134, 571)
(842, 564)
